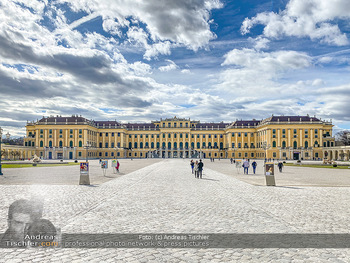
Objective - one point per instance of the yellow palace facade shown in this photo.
(276, 137)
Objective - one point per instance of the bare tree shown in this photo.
(343, 137)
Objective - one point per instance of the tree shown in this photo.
(343, 137)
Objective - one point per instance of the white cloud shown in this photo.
(312, 18)
(180, 22)
(169, 67)
(186, 71)
(271, 62)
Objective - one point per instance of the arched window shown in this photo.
(295, 145)
(60, 143)
(186, 145)
(41, 144)
(163, 145)
(80, 144)
(130, 145)
(198, 145)
(158, 145)
(209, 144)
(203, 144)
(221, 145)
(274, 144)
(71, 144)
(175, 145)
(181, 145)
(50, 143)
(135, 145)
(152, 145)
(141, 145)
(316, 143)
(169, 145)
(215, 145)
(192, 145)
(306, 144)
(146, 145)
(29, 143)
(284, 144)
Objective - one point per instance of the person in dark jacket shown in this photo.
(254, 164)
(200, 168)
(192, 165)
(280, 166)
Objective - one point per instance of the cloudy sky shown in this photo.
(210, 60)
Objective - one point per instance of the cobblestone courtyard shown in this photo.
(164, 197)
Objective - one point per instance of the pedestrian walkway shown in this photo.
(166, 198)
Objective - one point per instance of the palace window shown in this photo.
(233, 134)
(239, 134)
(106, 145)
(239, 145)
(274, 131)
(112, 134)
(80, 131)
(112, 144)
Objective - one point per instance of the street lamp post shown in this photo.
(265, 147)
(0, 150)
(87, 146)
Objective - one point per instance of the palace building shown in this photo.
(276, 137)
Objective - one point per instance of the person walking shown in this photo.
(196, 169)
(200, 169)
(254, 165)
(280, 166)
(192, 165)
(246, 166)
(231, 161)
(117, 167)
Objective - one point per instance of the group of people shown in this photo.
(197, 168)
(246, 165)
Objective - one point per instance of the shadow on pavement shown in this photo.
(210, 179)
